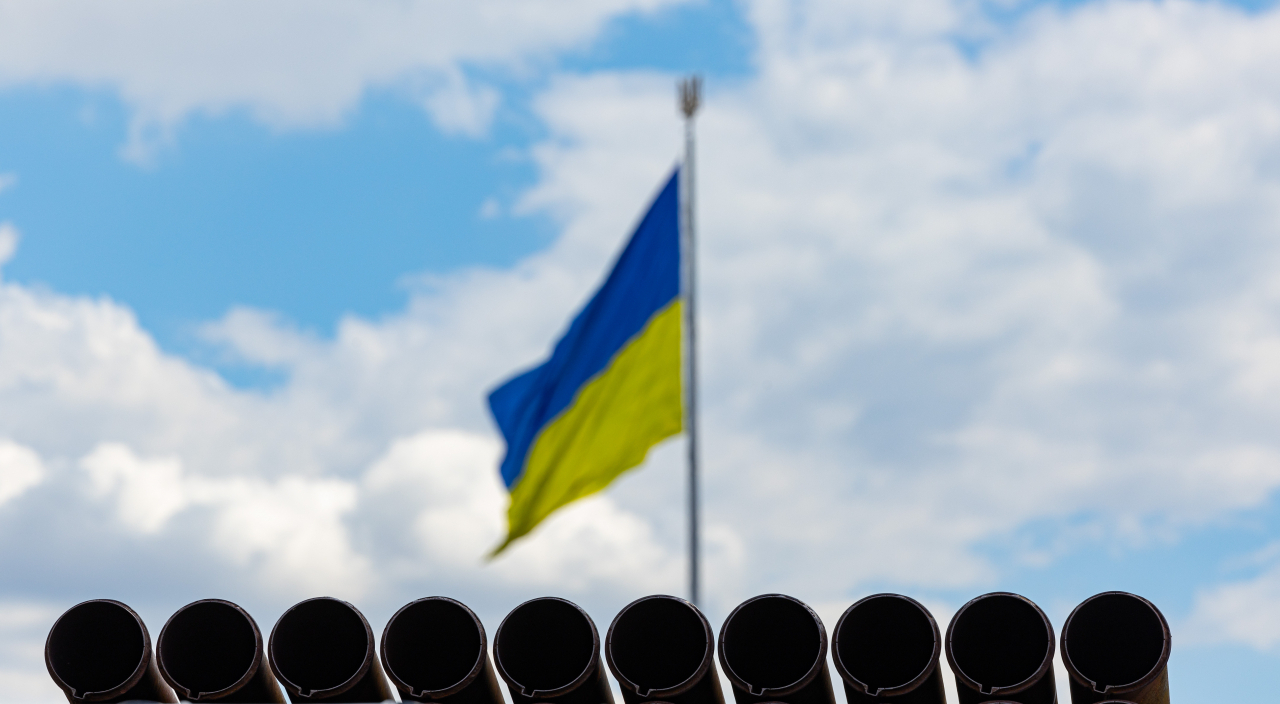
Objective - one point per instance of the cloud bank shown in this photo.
(290, 64)
(964, 312)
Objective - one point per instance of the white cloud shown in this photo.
(299, 491)
(446, 504)
(147, 492)
(1245, 612)
(289, 64)
(20, 469)
(460, 108)
(7, 181)
(845, 275)
(290, 534)
(8, 241)
(490, 209)
(945, 298)
(442, 482)
(259, 337)
(22, 632)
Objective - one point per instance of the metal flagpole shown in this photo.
(690, 97)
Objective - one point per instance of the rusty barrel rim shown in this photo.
(656, 693)
(111, 691)
(319, 692)
(1046, 663)
(809, 676)
(593, 662)
(1161, 662)
(184, 690)
(849, 678)
(476, 669)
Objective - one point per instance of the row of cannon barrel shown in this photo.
(773, 648)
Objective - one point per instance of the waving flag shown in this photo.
(612, 388)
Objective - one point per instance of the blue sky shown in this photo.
(989, 304)
(312, 223)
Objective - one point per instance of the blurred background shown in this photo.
(990, 301)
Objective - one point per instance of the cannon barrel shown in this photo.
(661, 648)
(1117, 644)
(322, 649)
(211, 650)
(100, 651)
(1000, 647)
(434, 649)
(885, 648)
(548, 650)
(773, 648)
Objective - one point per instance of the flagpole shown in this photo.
(690, 97)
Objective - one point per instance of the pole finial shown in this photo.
(690, 95)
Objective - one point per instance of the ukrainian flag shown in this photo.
(612, 388)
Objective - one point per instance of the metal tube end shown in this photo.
(100, 651)
(1000, 644)
(323, 648)
(659, 647)
(212, 649)
(886, 645)
(547, 648)
(433, 648)
(1116, 643)
(773, 646)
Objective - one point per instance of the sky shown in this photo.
(989, 301)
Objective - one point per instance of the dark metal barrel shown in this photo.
(773, 648)
(1117, 644)
(211, 650)
(548, 650)
(322, 649)
(435, 650)
(662, 648)
(100, 651)
(886, 648)
(1000, 647)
